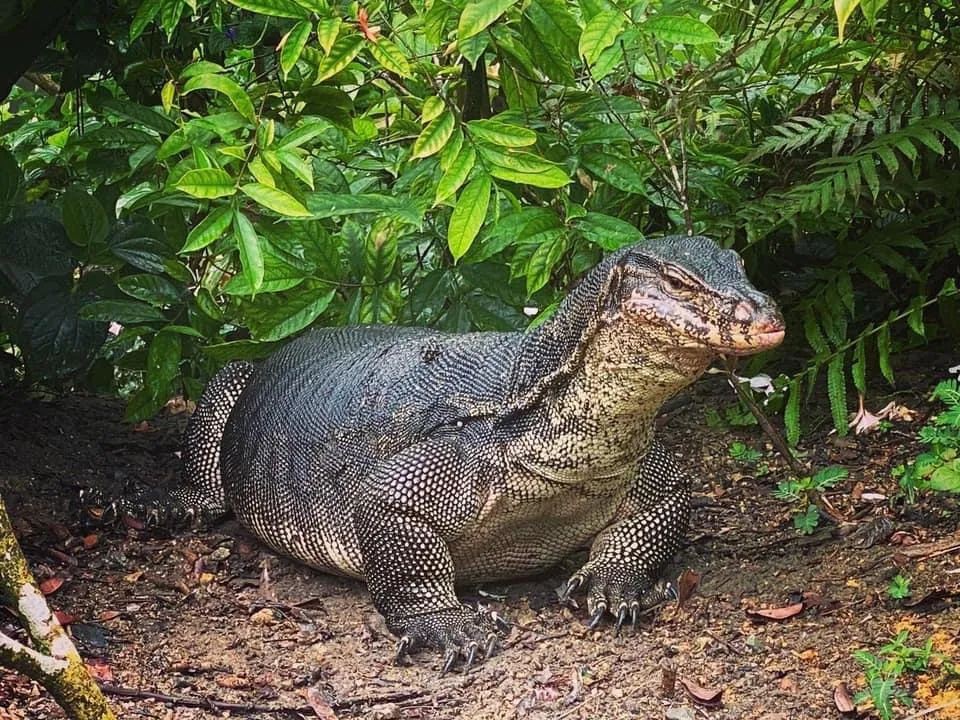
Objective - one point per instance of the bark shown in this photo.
(54, 661)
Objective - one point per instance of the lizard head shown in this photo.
(691, 295)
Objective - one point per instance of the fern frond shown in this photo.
(837, 392)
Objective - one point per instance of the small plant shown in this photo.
(732, 416)
(744, 453)
(938, 468)
(803, 491)
(884, 671)
(899, 587)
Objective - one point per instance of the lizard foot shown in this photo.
(622, 592)
(459, 633)
(152, 507)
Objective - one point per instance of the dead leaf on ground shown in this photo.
(108, 615)
(64, 618)
(234, 682)
(50, 585)
(842, 698)
(779, 613)
(686, 585)
(320, 705)
(90, 541)
(131, 522)
(702, 695)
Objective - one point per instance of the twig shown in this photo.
(211, 704)
(935, 708)
(765, 424)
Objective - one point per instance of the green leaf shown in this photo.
(224, 85)
(283, 316)
(344, 50)
(870, 9)
(618, 171)
(292, 45)
(837, 393)
(208, 229)
(883, 352)
(676, 29)
(859, 369)
(276, 8)
(478, 15)
(453, 178)
(142, 115)
(607, 232)
(468, 215)
(206, 183)
(144, 16)
(251, 257)
(600, 33)
(523, 168)
(946, 478)
(84, 218)
(125, 312)
(432, 107)
(163, 358)
(550, 248)
(501, 134)
(555, 25)
(434, 136)
(276, 200)
(56, 340)
(327, 32)
(390, 57)
(843, 8)
(154, 289)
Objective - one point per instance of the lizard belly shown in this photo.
(517, 536)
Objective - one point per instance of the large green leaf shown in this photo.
(125, 312)
(501, 134)
(56, 339)
(292, 45)
(478, 15)
(390, 57)
(434, 136)
(675, 29)
(251, 256)
(607, 232)
(84, 218)
(468, 215)
(222, 84)
(600, 33)
(276, 8)
(344, 50)
(326, 205)
(453, 178)
(275, 317)
(145, 14)
(31, 249)
(154, 289)
(555, 25)
(276, 200)
(209, 229)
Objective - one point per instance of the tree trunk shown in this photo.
(55, 662)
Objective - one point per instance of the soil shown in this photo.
(211, 617)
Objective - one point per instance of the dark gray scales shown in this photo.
(416, 459)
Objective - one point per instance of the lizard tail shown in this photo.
(202, 487)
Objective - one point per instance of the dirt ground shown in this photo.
(214, 618)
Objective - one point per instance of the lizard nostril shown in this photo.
(743, 312)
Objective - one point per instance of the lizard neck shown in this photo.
(599, 421)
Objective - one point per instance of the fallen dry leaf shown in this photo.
(134, 576)
(842, 698)
(50, 585)
(686, 585)
(64, 618)
(90, 541)
(234, 682)
(320, 705)
(779, 613)
(108, 615)
(702, 695)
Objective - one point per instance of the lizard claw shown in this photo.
(634, 613)
(572, 585)
(471, 656)
(621, 617)
(491, 648)
(501, 622)
(597, 616)
(403, 648)
(449, 658)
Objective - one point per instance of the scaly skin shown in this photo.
(416, 459)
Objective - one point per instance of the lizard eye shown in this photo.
(677, 284)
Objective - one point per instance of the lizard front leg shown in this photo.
(413, 505)
(626, 557)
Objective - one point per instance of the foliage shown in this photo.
(217, 176)
(885, 670)
(802, 493)
(938, 468)
(899, 587)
